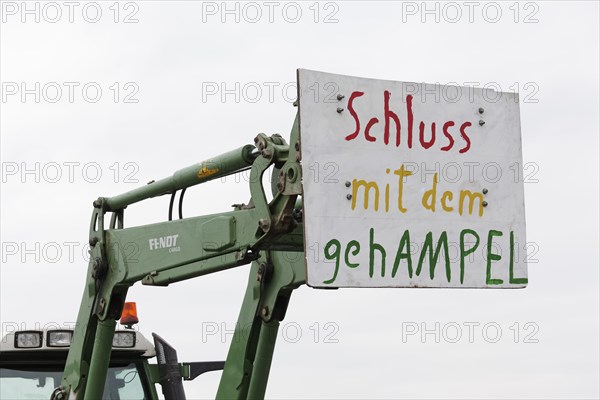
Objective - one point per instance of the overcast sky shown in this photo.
(99, 98)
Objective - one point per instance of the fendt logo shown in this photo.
(164, 242)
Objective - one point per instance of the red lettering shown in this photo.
(391, 117)
(371, 122)
(464, 136)
(430, 143)
(448, 135)
(410, 119)
(389, 114)
(354, 115)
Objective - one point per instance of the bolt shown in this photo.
(481, 122)
(101, 306)
(260, 142)
(340, 96)
(98, 270)
(266, 153)
(348, 184)
(93, 241)
(263, 224)
(297, 146)
(339, 110)
(265, 311)
(485, 203)
(59, 394)
(97, 203)
(261, 272)
(481, 110)
(297, 214)
(349, 196)
(485, 191)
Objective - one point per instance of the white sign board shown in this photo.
(410, 185)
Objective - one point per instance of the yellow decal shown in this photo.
(206, 172)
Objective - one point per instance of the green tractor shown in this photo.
(273, 236)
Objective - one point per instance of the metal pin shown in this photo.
(481, 122)
(485, 203)
(481, 110)
(349, 196)
(339, 110)
(485, 191)
(348, 184)
(340, 96)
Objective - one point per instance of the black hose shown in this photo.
(171, 205)
(181, 203)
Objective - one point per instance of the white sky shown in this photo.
(174, 52)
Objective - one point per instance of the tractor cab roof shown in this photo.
(49, 344)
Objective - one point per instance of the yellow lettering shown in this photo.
(387, 197)
(367, 189)
(472, 197)
(447, 195)
(401, 175)
(430, 194)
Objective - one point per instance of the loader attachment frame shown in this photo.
(267, 235)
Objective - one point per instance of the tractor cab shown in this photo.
(32, 364)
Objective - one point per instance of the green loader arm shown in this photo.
(268, 235)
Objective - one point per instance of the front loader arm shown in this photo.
(270, 234)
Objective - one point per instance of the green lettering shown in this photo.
(511, 279)
(356, 245)
(464, 253)
(331, 256)
(433, 256)
(492, 257)
(404, 245)
(372, 247)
